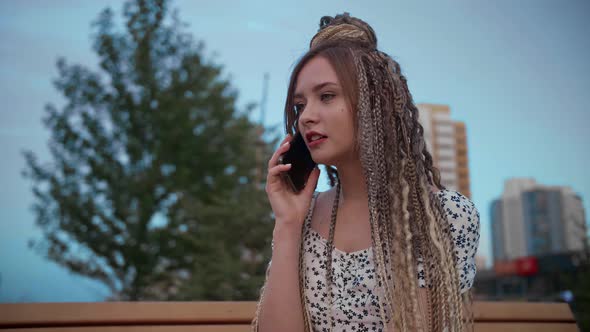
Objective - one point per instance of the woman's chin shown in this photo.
(319, 161)
(322, 159)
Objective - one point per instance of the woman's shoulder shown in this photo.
(463, 219)
(457, 207)
(464, 227)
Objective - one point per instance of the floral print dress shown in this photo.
(355, 301)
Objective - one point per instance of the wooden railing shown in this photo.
(236, 317)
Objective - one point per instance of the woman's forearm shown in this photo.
(281, 308)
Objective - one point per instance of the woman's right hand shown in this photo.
(289, 208)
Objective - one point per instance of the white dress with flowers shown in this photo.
(355, 302)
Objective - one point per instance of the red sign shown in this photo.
(504, 268)
(527, 266)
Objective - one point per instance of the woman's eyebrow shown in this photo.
(315, 88)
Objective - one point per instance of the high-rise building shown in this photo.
(446, 140)
(531, 219)
(574, 218)
(498, 234)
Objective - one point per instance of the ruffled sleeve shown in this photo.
(463, 218)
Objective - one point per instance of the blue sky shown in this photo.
(516, 72)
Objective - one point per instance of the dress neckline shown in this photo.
(325, 241)
(341, 252)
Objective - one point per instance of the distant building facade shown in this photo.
(446, 140)
(531, 219)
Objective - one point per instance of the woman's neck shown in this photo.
(353, 186)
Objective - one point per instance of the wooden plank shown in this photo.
(522, 312)
(125, 313)
(526, 327)
(479, 327)
(161, 328)
(187, 313)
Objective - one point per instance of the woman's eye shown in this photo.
(298, 108)
(327, 97)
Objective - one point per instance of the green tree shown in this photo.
(155, 184)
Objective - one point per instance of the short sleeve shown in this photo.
(463, 218)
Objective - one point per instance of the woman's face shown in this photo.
(326, 121)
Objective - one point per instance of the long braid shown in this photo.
(395, 197)
(330, 249)
(382, 200)
(432, 173)
(467, 298)
(419, 217)
(447, 245)
(395, 200)
(408, 263)
(366, 146)
(306, 317)
(443, 241)
(406, 244)
(432, 276)
(407, 281)
(416, 184)
(380, 181)
(451, 288)
(401, 100)
(449, 264)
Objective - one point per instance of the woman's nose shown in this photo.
(309, 116)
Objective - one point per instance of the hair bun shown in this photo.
(344, 27)
(326, 20)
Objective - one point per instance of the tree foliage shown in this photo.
(155, 186)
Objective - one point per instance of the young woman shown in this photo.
(387, 247)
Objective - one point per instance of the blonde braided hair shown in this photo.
(406, 219)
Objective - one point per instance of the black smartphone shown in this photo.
(301, 164)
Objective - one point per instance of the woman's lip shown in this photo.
(317, 142)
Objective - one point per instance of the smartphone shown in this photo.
(301, 164)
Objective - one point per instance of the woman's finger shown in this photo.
(276, 170)
(273, 177)
(275, 157)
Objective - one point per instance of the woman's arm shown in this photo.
(281, 308)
